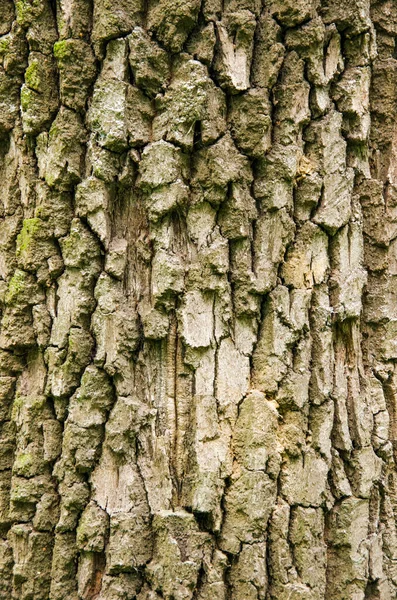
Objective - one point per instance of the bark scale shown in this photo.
(198, 298)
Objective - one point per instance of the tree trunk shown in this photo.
(198, 287)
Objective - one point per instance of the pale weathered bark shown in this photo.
(198, 263)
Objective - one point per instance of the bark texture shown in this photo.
(198, 290)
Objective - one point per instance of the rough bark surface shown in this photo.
(198, 291)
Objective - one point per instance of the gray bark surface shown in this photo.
(198, 299)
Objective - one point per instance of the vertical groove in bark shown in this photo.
(197, 297)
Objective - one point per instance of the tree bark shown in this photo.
(198, 293)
